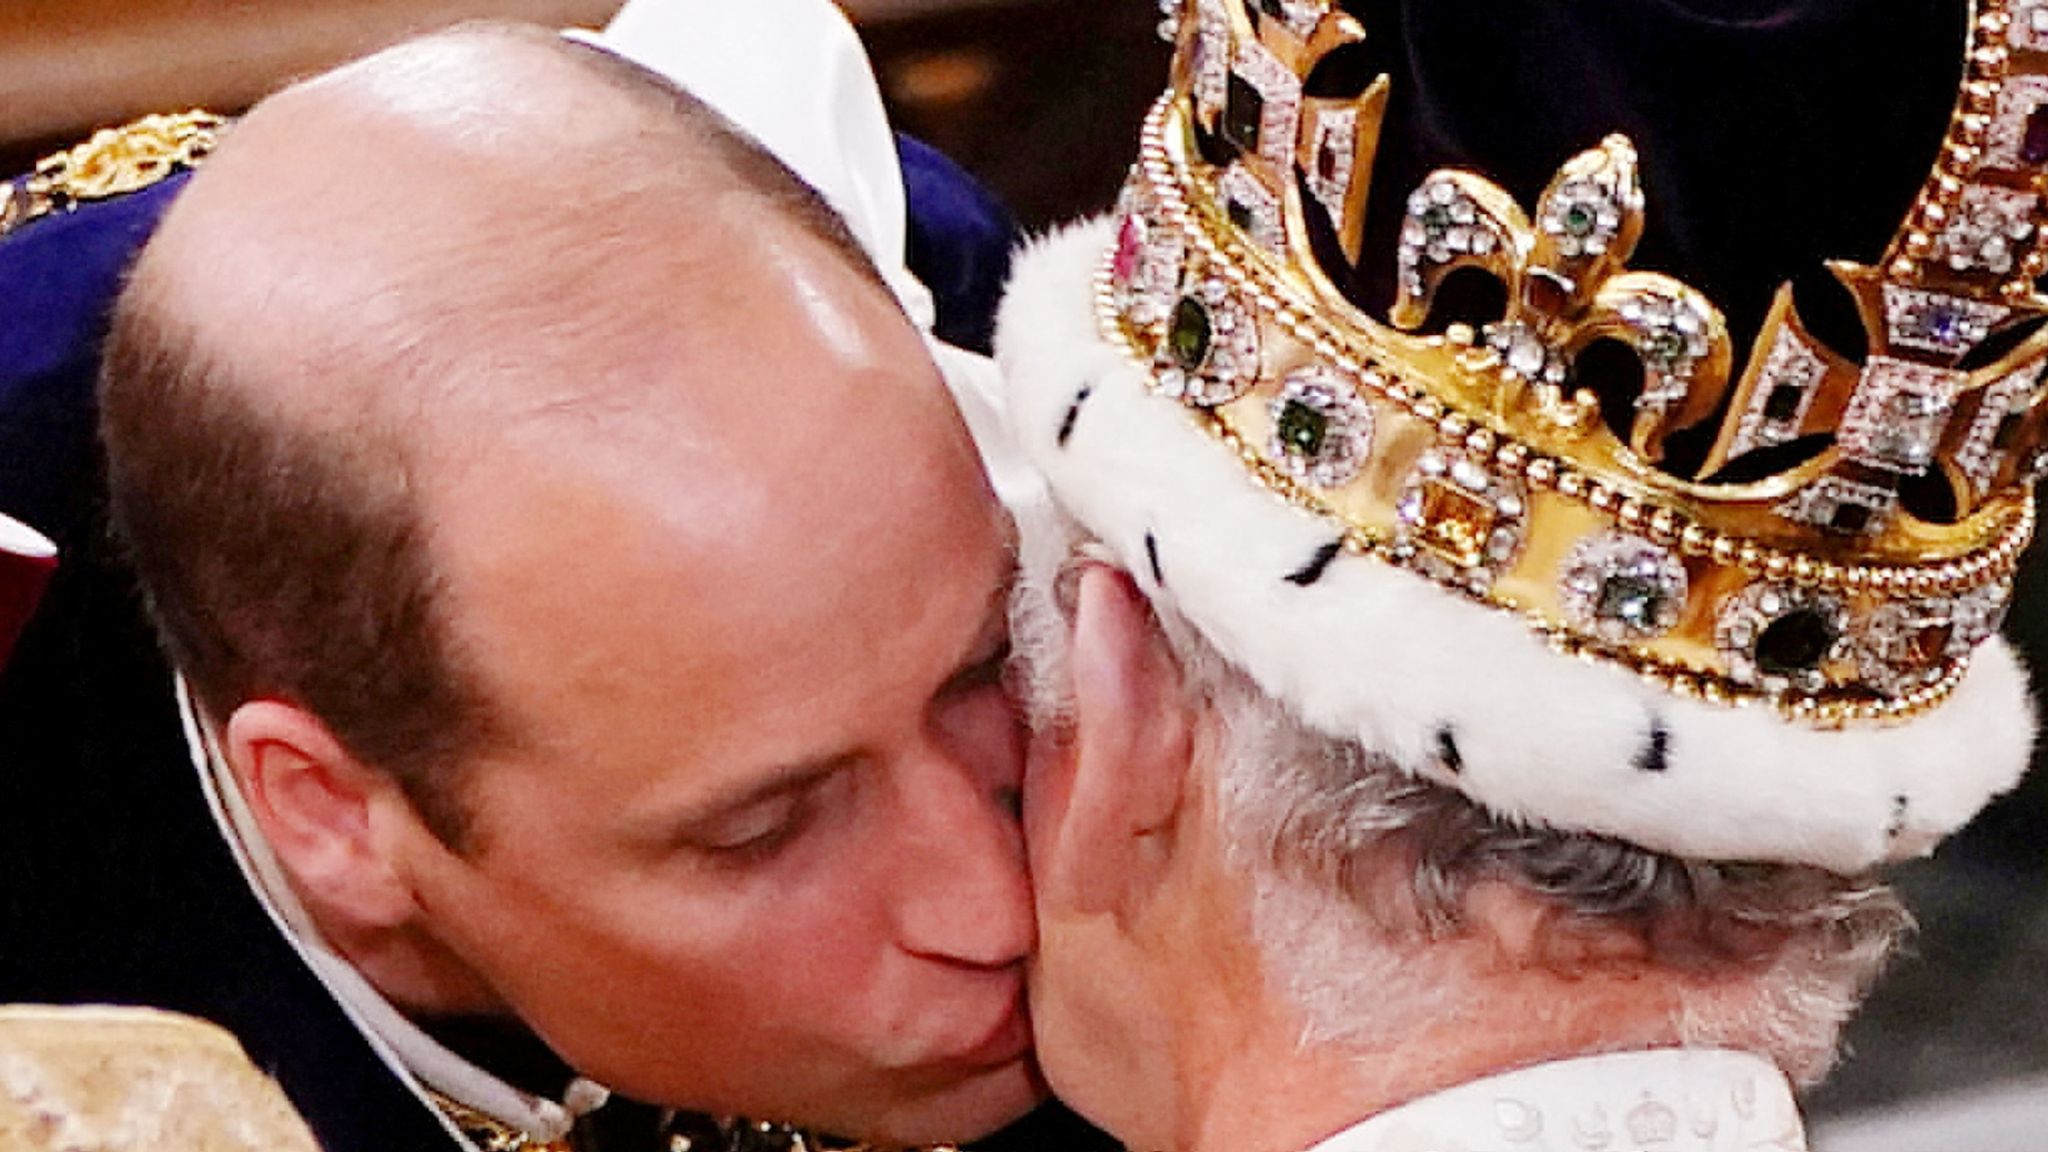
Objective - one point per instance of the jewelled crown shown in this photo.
(1845, 542)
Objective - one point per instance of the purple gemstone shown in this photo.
(1944, 323)
(2034, 145)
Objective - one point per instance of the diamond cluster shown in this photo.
(1843, 506)
(2029, 26)
(1583, 218)
(1322, 431)
(1336, 151)
(1211, 351)
(1252, 207)
(1995, 431)
(1523, 353)
(1671, 336)
(1896, 418)
(1936, 322)
(1622, 588)
(1780, 636)
(1777, 408)
(1911, 644)
(1262, 105)
(1459, 521)
(1443, 223)
(2019, 131)
(1146, 269)
(1990, 229)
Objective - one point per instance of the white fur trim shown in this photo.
(1384, 656)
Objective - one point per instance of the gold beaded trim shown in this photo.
(1668, 675)
(1987, 69)
(1164, 174)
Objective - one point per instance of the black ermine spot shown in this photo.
(1074, 413)
(1317, 564)
(1897, 827)
(1447, 751)
(1656, 753)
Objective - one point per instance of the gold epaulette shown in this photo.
(115, 162)
(122, 1079)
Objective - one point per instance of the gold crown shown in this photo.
(1475, 459)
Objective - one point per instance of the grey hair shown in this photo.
(1358, 863)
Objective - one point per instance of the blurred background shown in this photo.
(1041, 99)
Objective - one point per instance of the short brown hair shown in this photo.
(277, 561)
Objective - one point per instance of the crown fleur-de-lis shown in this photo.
(1569, 287)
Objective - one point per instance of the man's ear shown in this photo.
(327, 815)
(1131, 744)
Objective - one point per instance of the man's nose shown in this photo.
(962, 893)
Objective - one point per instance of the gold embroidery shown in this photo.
(115, 162)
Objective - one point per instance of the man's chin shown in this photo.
(967, 1110)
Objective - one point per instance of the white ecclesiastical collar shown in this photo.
(1668, 1099)
(419, 1061)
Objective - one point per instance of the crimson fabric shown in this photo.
(22, 580)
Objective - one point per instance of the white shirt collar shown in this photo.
(1665, 1100)
(418, 1060)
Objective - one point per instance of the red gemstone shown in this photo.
(1130, 243)
(1327, 162)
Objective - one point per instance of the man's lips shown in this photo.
(1008, 1040)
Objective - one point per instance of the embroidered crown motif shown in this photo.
(1847, 534)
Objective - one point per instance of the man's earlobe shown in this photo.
(318, 807)
(1131, 741)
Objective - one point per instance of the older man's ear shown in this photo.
(1128, 755)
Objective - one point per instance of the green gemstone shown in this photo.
(1241, 215)
(1634, 601)
(1191, 334)
(1437, 219)
(1795, 643)
(1303, 429)
(1579, 220)
(1664, 348)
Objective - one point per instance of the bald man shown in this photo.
(589, 605)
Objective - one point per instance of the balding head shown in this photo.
(478, 179)
(381, 270)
